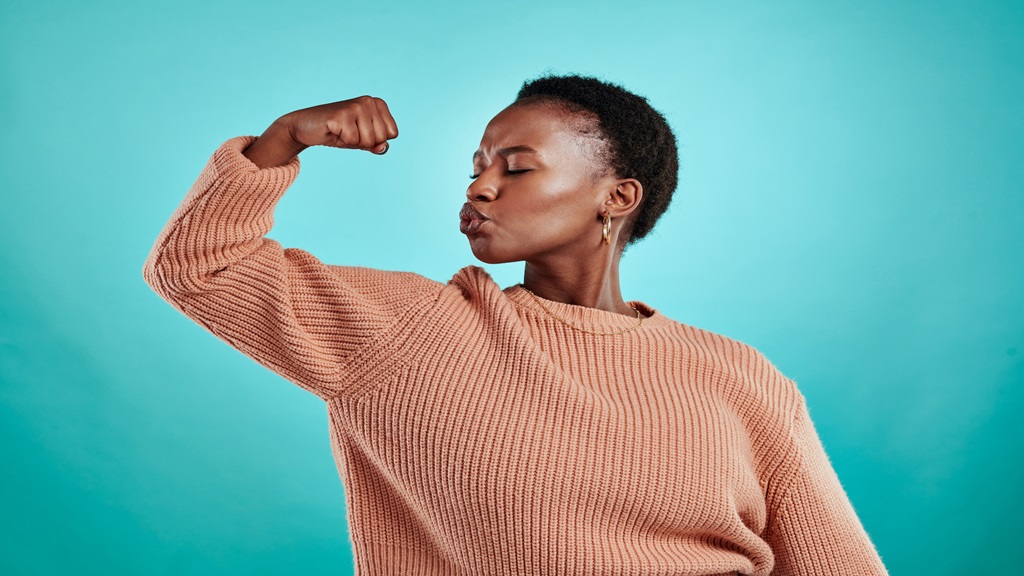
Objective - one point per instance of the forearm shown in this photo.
(275, 147)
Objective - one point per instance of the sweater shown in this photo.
(475, 434)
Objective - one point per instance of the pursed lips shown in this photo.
(471, 219)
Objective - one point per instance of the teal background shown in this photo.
(850, 204)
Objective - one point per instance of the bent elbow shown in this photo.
(166, 280)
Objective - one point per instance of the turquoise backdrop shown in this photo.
(851, 203)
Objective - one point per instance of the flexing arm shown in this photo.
(364, 123)
(284, 308)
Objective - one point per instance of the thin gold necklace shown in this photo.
(572, 325)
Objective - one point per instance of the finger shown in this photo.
(366, 138)
(380, 131)
(389, 120)
(344, 133)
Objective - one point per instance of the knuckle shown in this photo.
(344, 116)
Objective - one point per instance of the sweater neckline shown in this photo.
(590, 318)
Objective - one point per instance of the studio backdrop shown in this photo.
(851, 202)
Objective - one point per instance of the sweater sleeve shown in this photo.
(284, 308)
(813, 528)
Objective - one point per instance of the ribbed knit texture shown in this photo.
(477, 435)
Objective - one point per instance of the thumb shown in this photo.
(381, 148)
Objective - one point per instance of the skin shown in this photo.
(545, 205)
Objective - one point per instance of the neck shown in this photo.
(594, 283)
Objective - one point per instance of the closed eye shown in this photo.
(512, 172)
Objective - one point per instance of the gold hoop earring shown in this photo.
(606, 231)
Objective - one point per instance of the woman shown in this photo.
(545, 428)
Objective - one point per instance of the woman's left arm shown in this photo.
(812, 526)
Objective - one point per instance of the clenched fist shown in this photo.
(363, 123)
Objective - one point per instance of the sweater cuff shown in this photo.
(244, 188)
(228, 160)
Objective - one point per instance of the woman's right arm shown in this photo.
(282, 307)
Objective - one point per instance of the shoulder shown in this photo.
(741, 371)
(472, 287)
(473, 281)
(764, 400)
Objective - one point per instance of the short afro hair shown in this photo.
(640, 142)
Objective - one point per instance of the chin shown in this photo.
(488, 255)
(488, 258)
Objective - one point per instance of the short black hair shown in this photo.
(640, 142)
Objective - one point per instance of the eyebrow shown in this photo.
(506, 151)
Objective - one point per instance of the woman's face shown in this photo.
(540, 185)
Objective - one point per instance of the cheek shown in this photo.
(559, 190)
(537, 213)
(564, 204)
(536, 228)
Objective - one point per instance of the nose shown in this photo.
(481, 189)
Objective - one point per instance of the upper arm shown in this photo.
(284, 308)
(301, 318)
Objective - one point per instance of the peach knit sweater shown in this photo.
(476, 435)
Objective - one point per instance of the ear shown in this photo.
(624, 198)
